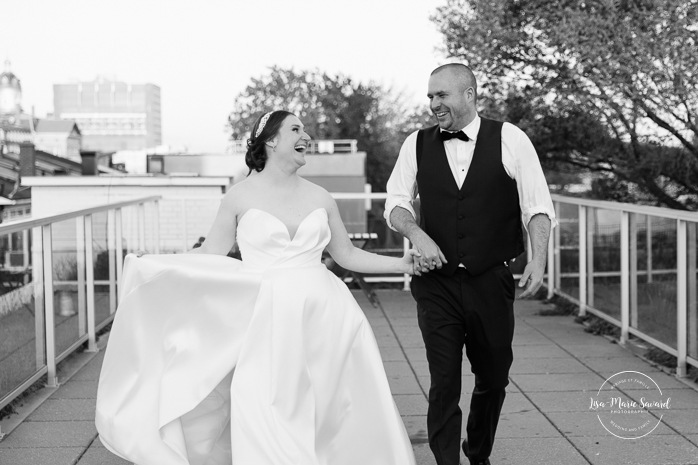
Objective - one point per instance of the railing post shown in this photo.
(156, 226)
(118, 225)
(141, 226)
(80, 242)
(582, 260)
(551, 266)
(556, 242)
(591, 225)
(25, 253)
(90, 277)
(681, 294)
(111, 251)
(633, 270)
(38, 273)
(624, 276)
(48, 306)
(692, 304)
(405, 277)
(648, 236)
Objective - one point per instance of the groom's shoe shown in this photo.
(480, 462)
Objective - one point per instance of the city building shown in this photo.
(111, 115)
(59, 137)
(31, 146)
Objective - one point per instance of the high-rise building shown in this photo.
(111, 115)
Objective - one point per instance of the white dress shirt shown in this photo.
(519, 159)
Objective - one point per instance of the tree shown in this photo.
(604, 85)
(332, 107)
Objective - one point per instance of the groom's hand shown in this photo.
(430, 257)
(416, 266)
(532, 278)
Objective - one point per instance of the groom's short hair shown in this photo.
(462, 72)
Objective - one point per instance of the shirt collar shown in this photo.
(472, 128)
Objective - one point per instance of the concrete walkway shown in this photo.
(546, 417)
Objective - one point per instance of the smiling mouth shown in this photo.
(441, 114)
(300, 148)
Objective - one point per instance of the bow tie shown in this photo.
(446, 135)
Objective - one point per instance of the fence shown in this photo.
(59, 278)
(633, 266)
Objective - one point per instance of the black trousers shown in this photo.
(475, 312)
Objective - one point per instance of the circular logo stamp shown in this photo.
(629, 405)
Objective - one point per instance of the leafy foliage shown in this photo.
(333, 107)
(604, 85)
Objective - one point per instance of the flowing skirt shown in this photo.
(210, 362)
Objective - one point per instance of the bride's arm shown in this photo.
(352, 258)
(221, 237)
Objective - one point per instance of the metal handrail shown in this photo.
(20, 225)
(629, 207)
(42, 282)
(686, 224)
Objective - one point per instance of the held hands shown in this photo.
(408, 260)
(533, 275)
(429, 257)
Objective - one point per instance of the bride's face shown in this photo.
(292, 140)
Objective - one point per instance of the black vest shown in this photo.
(478, 225)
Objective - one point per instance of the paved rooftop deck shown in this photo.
(546, 417)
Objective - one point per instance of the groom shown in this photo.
(478, 180)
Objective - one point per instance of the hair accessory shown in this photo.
(262, 123)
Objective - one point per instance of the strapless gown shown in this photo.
(264, 361)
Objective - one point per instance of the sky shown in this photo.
(203, 54)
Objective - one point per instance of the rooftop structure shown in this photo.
(112, 115)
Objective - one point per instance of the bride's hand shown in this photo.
(408, 260)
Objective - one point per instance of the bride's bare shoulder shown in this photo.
(234, 191)
(237, 196)
(318, 195)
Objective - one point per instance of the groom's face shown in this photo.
(449, 101)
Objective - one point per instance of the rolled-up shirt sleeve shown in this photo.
(534, 195)
(402, 184)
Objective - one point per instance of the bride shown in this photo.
(268, 361)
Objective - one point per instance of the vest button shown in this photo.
(461, 254)
(460, 197)
(460, 217)
(461, 236)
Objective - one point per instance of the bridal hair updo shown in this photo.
(265, 128)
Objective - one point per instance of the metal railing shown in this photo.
(62, 286)
(376, 224)
(633, 266)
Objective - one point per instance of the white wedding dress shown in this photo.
(268, 361)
